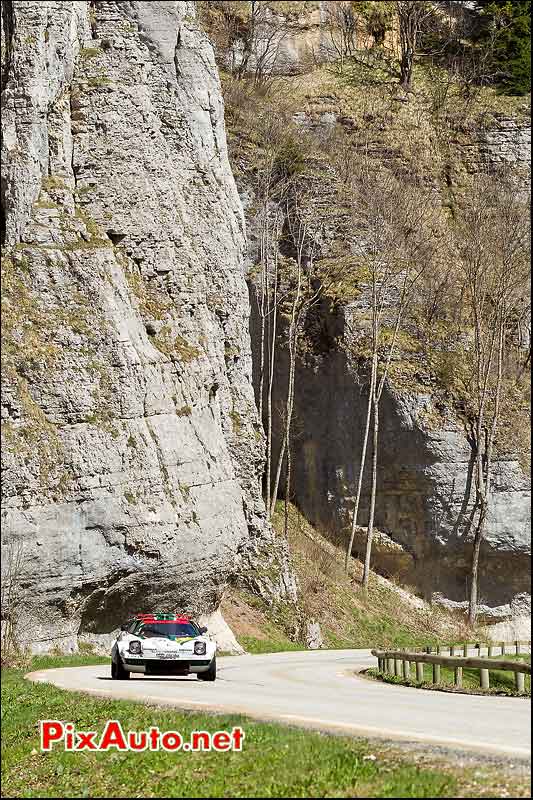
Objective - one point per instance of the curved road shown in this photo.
(320, 689)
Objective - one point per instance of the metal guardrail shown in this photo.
(398, 663)
(505, 648)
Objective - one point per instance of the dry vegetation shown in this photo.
(388, 615)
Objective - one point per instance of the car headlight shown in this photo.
(135, 647)
(199, 648)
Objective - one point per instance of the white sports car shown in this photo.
(163, 644)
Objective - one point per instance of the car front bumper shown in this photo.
(156, 666)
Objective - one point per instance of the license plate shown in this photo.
(167, 655)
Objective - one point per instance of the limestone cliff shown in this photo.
(425, 483)
(132, 451)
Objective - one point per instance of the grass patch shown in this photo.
(276, 761)
(274, 643)
(176, 347)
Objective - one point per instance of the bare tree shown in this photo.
(303, 295)
(411, 16)
(494, 259)
(268, 300)
(275, 180)
(247, 35)
(13, 594)
(307, 278)
(341, 25)
(398, 242)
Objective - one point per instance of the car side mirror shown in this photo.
(203, 630)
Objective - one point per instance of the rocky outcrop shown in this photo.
(313, 635)
(287, 39)
(131, 446)
(502, 142)
(505, 623)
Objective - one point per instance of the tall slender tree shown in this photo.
(493, 254)
(398, 241)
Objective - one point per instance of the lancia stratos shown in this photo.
(163, 644)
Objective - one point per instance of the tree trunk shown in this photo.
(288, 418)
(406, 69)
(287, 486)
(292, 336)
(290, 409)
(484, 475)
(270, 388)
(408, 15)
(472, 610)
(275, 488)
(263, 314)
(370, 529)
(362, 464)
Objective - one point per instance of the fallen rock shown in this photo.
(313, 636)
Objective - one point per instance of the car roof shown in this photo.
(162, 617)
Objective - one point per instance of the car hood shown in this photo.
(163, 643)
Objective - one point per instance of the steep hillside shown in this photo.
(316, 127)
(131, 445)
(389, 615)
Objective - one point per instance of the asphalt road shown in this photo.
(320, 689)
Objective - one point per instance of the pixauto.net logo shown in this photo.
(57, 733)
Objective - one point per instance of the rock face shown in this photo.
(425, 492)
(132, 450)
(505, 143)
(505, 623)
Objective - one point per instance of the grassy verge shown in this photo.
(501, 682)
(277, 644)
(276, 761)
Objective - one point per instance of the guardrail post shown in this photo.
(465, 649)
(520, 681)
(517, 647)
(407, 669)
(502, 645)
(397, 667)
(420, 671)
(436, 673)
(458, 677)
(390, 666)
(490, 650)
(484, 678)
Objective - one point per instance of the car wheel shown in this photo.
(211, 673)
(118, 673)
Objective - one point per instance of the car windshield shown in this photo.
(169, 629)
